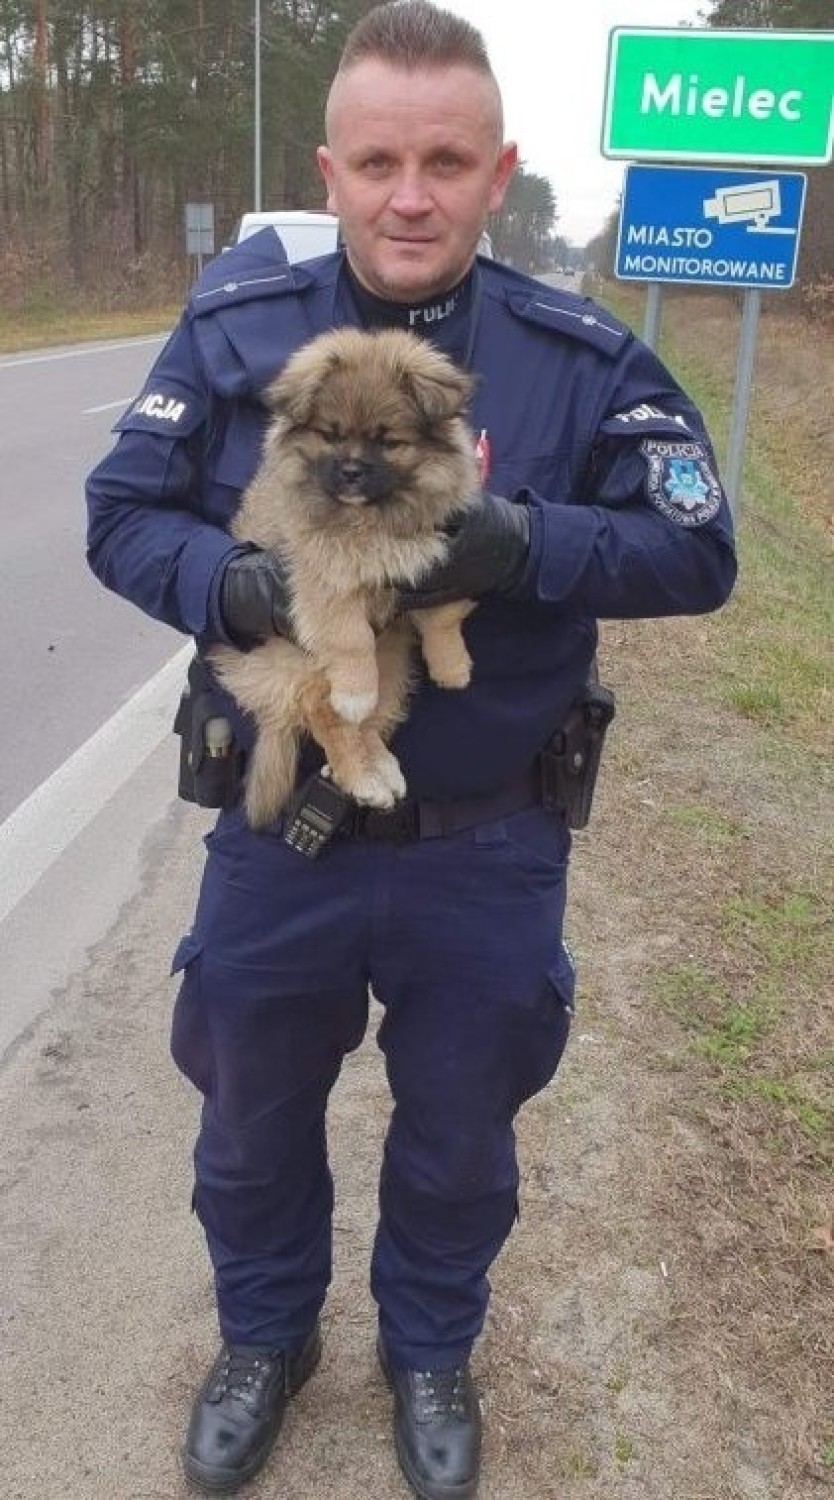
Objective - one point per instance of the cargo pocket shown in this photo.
(546, 1035)
(191, 1046)
(558, 1011)
(562, 980)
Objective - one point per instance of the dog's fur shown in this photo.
(367, 457)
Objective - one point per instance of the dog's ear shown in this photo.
(439, 390)
(293, 395)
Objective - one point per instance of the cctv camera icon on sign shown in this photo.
(756, 202)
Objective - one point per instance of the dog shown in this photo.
(367, 457)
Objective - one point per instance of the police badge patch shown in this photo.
(680, 482)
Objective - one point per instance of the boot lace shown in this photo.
(441, 1393)
(243, 1374)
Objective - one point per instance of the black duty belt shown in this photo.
(421, 818)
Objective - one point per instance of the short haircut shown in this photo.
(415, 34)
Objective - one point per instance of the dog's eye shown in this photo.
(330, 434)
(387, 440)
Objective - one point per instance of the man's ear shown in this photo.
(324, 160)
(504, 169)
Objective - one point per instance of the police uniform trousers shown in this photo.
(460, 940)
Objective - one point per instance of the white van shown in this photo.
(305, 233)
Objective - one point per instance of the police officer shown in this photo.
(600, 500)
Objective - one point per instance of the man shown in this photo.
(451, 907)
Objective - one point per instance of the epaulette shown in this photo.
(254, 269)
(570, 315)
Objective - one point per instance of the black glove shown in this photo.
(255, 599)
(487, 554)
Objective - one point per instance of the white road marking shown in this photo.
(90, 411)
(45, 359)
(37, 833)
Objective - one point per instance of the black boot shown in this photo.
(239, 1410)
(437, 1429)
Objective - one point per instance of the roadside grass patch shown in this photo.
(794, 1103)
(749, 1014)
(743, 889)
(42, 324)
(580, 1466)
(708, 823)
(624, 1450)
(719, 1028)
(783, 930)
(720, 849)
(776, 667)
(775, 664)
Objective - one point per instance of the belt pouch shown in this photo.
(570, 760)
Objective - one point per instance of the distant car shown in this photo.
(569, 271)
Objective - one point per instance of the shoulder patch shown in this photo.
(645, 418)
(577, 318)
(162, 409)
(680, 482)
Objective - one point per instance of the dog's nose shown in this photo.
(352, 471)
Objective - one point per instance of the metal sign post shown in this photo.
(258, 110)
(741, 398)
(199, 231)
(654, 309)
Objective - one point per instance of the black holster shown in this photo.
(570, 760)
(211, 765)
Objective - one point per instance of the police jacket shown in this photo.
(584, 424)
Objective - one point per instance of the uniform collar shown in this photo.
(446, 319)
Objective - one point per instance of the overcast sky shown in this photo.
(549, 57)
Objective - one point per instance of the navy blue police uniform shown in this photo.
(457, 932)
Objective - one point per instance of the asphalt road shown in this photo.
(87, 759)
(72, 652)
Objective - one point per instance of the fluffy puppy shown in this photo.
(366, 459)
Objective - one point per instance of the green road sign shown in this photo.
(745, 96)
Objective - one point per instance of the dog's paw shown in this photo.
(354, 708)
(387, 769)
(452, 674)
(373, 790)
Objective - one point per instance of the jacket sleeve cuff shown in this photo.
(562, 539)
(200, 577)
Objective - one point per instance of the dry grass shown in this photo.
(41, 330)
(742, 1019)
(721, 767)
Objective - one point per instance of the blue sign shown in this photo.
(714, 225)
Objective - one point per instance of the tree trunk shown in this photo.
(129, 202)
(42, 107)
